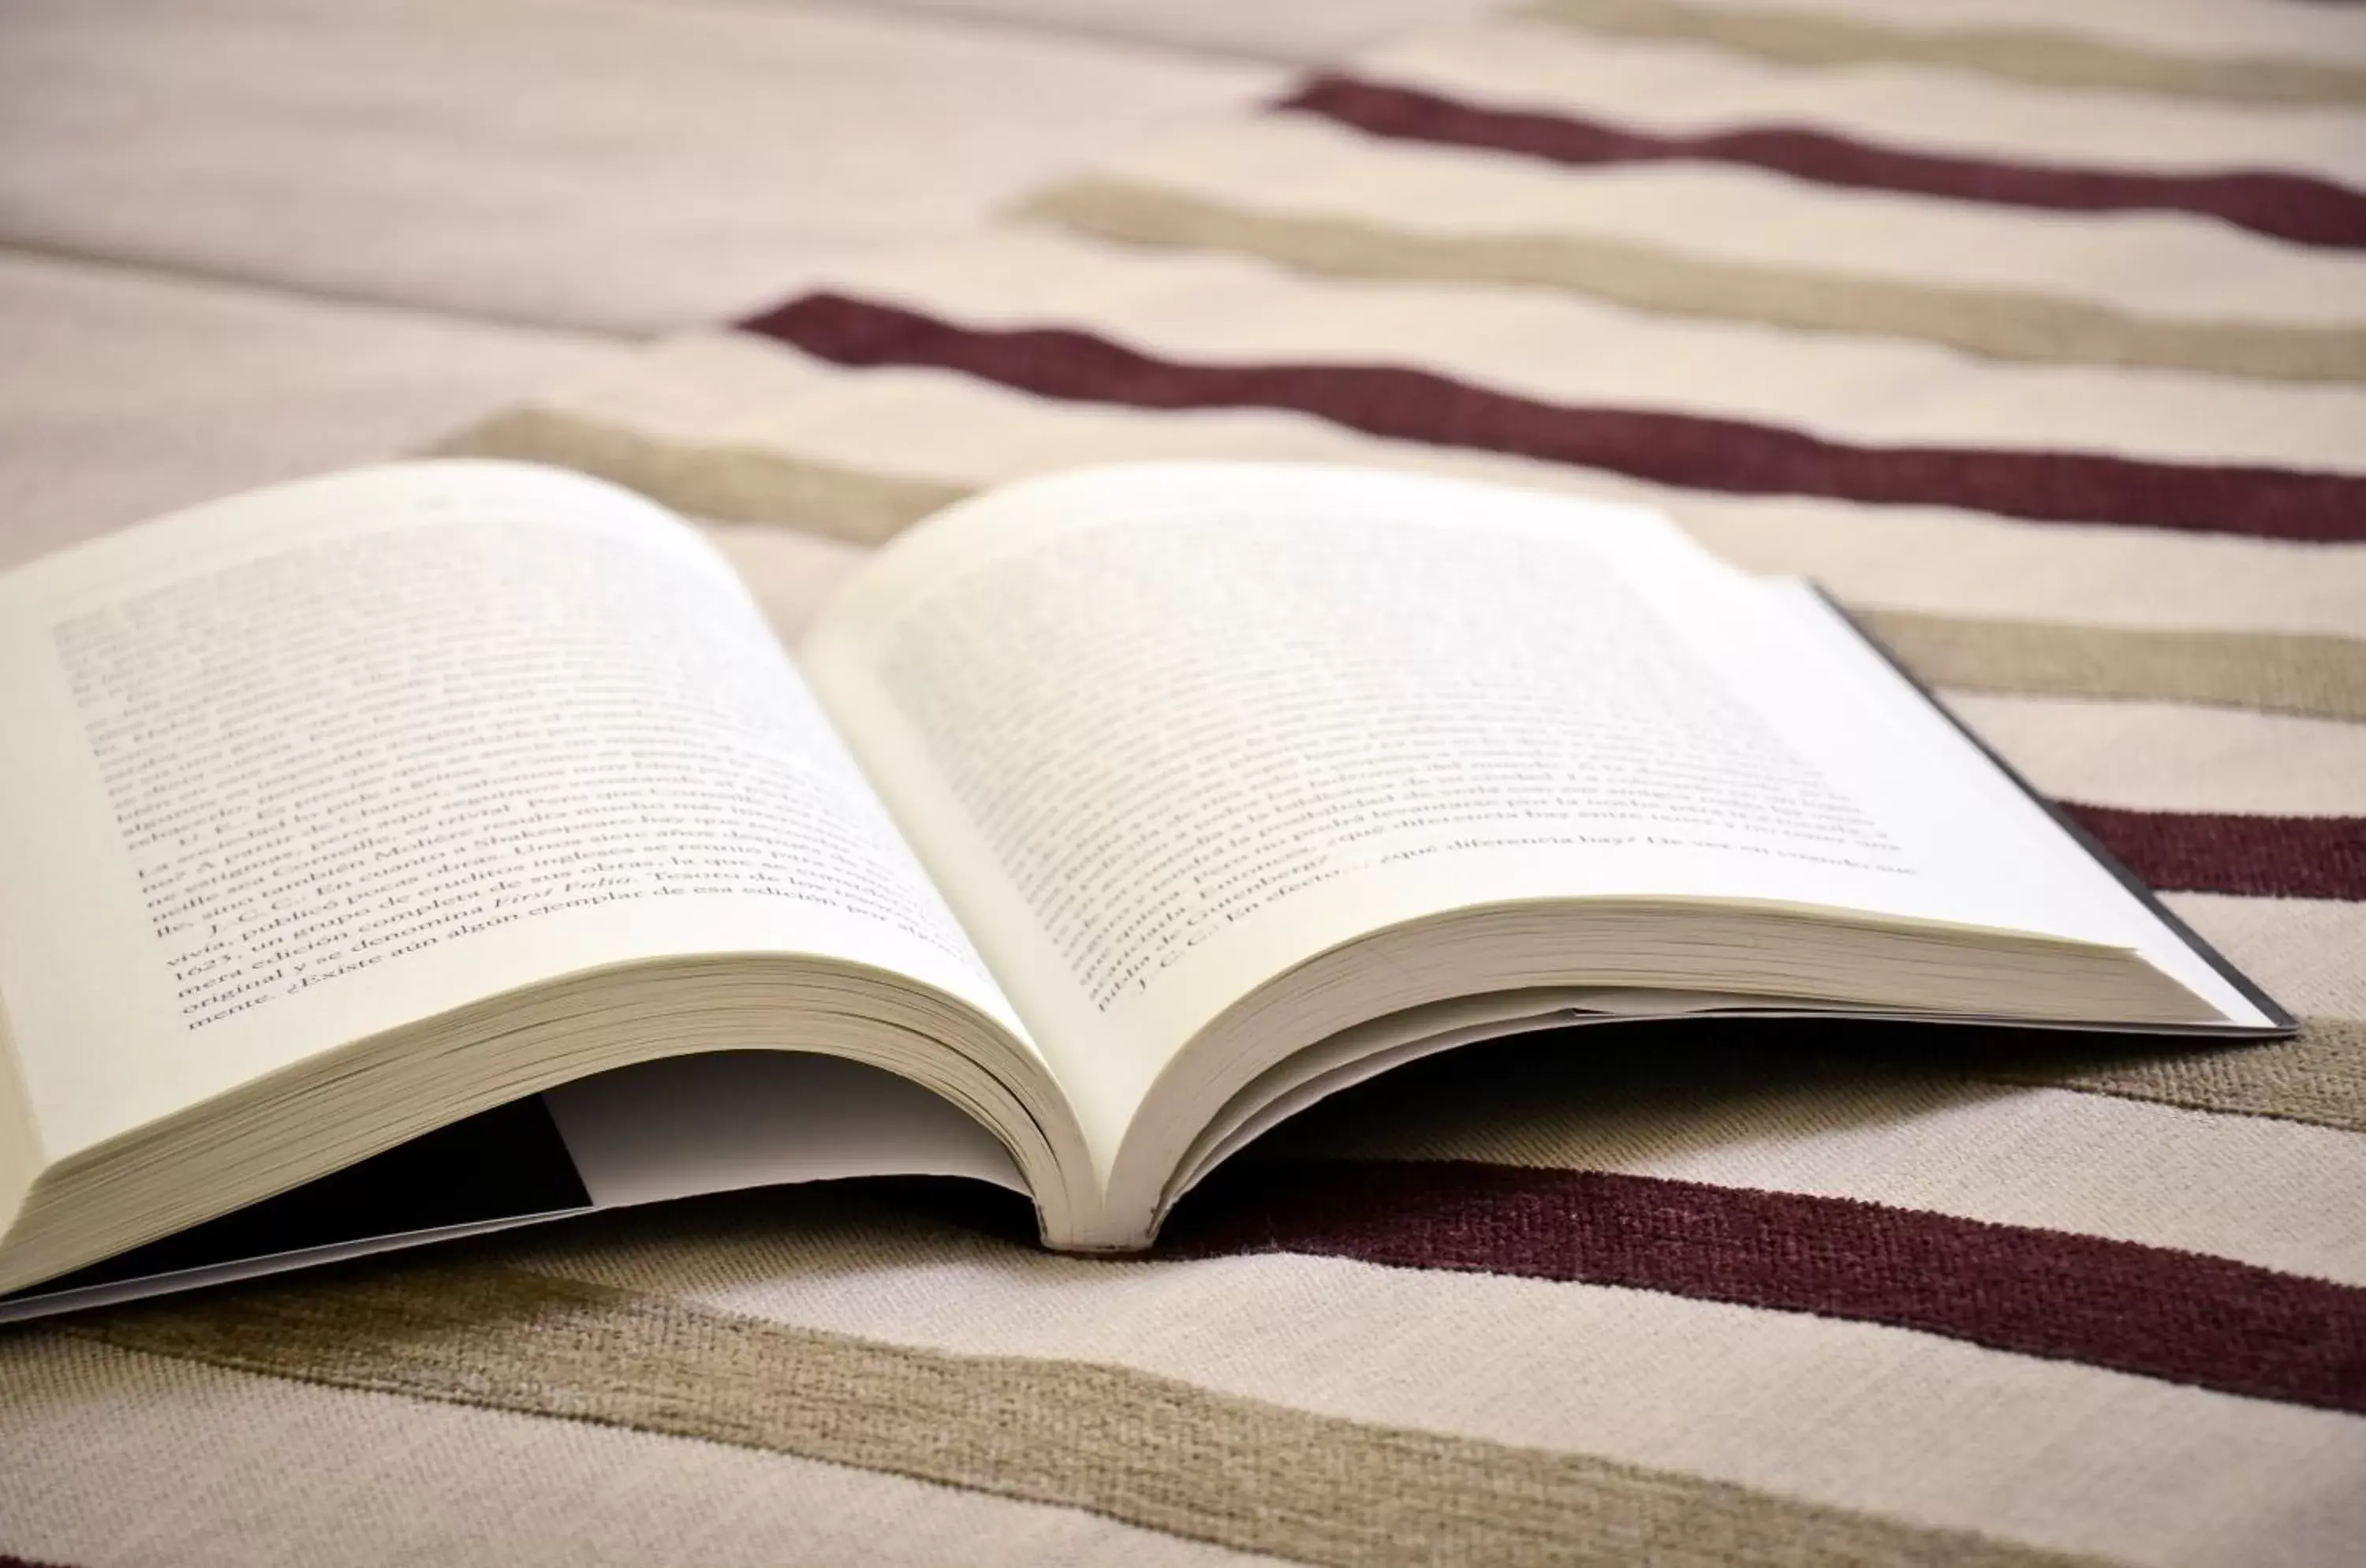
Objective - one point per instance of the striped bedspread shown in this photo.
(2037, 335)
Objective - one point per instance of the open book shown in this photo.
(463, 826)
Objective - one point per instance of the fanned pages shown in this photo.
(1127, 812)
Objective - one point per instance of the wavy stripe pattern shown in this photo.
(1143, 1449)
(2297, 209)
(2178, 1317)
(2035, 336)
(1995, 324)
(2043, 58)
(2161, 267)
(1699, 451)
(1561, 350)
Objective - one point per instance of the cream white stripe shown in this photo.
(2310, 954)
(2049, 56)
(1208, 309)
(938, 434)
(1673, 89)
(236, 1469)
(2168, 757)
(1297, 164)
(2051, 1452)
(2281, 1195)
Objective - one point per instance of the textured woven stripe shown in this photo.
(1685, 90)
(1902, 1116)
(242, 1470)
(2174, 757)
(1997, 324)
(2293, 207)
(2275, 857)
(2318, 1076)
(1721, 455)
(1139, 1448)
(2046, 58)
(2325, 676)
(721, 480)
(2055, 1453)
(2303, 952)
(2206, 1321)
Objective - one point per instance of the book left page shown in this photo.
(313, 764)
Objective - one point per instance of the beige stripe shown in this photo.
(2170, 757)
(1672, 90)
(2146, 264)
(2320, 1078)
(2002, 326)
(2308, 953)
(2320, 676)
(1910, 1426)
(2294, 31)
(2046, 58)
(1203, 307)
(717, 480)
(240, 1471)
(1147, 1451)
(1838, 1124)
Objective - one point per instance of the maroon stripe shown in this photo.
(2267, 857)
(1688, 450)
(2178, 1317)
(2298, 208)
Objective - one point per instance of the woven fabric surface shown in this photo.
(2037, 336)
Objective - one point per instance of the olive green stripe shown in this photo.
(2323, 677)
(1144, 1449)
(1995, 323)
(2044, 59)
(2318, 1077)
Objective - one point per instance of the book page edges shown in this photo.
(2273, 1018)
(22, 1154)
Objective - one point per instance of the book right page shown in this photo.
(1164, 732)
